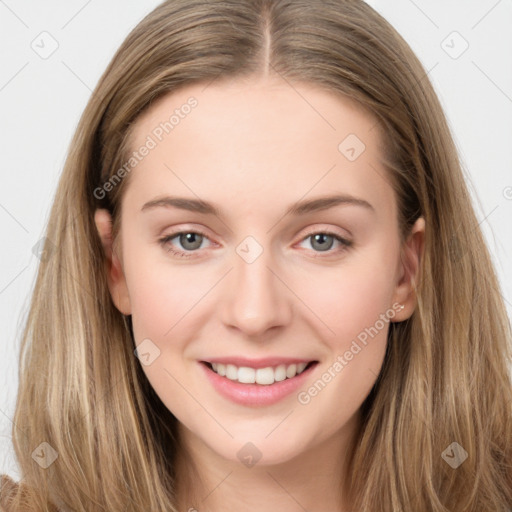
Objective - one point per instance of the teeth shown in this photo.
(246, 375)
(291, 371)
(301, 367)
(263, 376)
(231, 372)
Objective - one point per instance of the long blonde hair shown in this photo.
(446, 375)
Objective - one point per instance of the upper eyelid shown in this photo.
(330, 231)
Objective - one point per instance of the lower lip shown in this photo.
(255, 394)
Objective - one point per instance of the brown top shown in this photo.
(8, 489)
(12, 495)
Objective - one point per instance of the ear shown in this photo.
(411, 255)
(113, 265)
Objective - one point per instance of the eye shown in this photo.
(323, 241)
(192, 241)
(189, 240)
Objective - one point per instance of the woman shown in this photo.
(263, 368)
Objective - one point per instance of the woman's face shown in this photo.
(273, 277)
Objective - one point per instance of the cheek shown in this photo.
(356, 305)
(351, 297)
(167, 310)
(161, 292)
(161, 298)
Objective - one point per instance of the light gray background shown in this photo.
(41, 100)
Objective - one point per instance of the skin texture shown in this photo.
(254, 148)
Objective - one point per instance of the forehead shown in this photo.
(240, 137)
(283, 111)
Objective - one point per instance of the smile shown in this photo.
(268, 384)
(263, 376)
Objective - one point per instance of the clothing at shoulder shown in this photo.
(9, 491)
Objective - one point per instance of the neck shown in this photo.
(208, 482)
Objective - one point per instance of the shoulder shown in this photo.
(8, 490)
(11, 493)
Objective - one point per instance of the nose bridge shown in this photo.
(258, 300)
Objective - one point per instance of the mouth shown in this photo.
(263, 376)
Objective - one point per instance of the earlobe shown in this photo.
(411, 256)
(113, 267)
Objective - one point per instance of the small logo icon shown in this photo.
(249, 249)
(147, 352)
(454, 455)
(44, 455)
(45, 45)
(43, 249)
(351, 147)
(454, 45)
(249, 455)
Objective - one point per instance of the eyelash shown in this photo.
(164, 242)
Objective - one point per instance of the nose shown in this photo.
(256, 296)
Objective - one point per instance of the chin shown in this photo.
(256, 450)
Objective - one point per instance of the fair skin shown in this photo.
(254, 148)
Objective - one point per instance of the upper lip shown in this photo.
(258, 363)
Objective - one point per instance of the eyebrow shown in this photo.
(299, 208)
